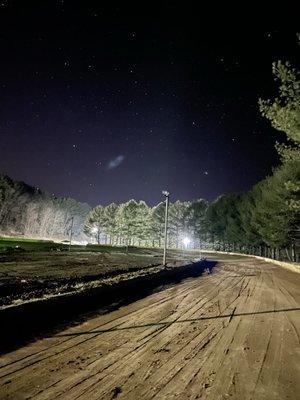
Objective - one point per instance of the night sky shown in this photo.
(105, 104)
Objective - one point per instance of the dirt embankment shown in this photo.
(28, 276)
(233, 334)
(37, 299)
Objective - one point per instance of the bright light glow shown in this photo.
(186, 241)
(80, 242)
(94, 229)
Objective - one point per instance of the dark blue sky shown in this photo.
(106, 104)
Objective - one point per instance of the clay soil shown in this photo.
(229, 334)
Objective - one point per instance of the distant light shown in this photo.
(80, 242)
(94, 229)
(186, 241)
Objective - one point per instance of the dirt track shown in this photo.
(232, 334)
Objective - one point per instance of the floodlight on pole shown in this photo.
(94, 229)
(167, 195)
(186, 241)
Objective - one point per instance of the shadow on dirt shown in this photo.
(28, 322)
(176, 322)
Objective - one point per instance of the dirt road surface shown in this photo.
(231, 334)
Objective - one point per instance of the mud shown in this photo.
(232, 334)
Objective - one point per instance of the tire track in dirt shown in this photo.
(122, 356)
(60, 352)
(230, 334)
(190, 374)
(128, 361)
(219, 365)
(62, 342)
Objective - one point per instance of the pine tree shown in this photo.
(284, 114)
(157, 223)
(110, 221)
(195, 220)
(95, 223)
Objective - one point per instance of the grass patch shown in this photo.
(29, 245)
(21, 239)
(35, 245)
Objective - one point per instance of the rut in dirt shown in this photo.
(33, 320)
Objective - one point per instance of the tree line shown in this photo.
(28, 211)
(135, 223)
(264, 216)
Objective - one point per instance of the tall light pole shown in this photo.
(167, 195)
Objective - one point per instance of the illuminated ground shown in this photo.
(29, 275)
(232, 334)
